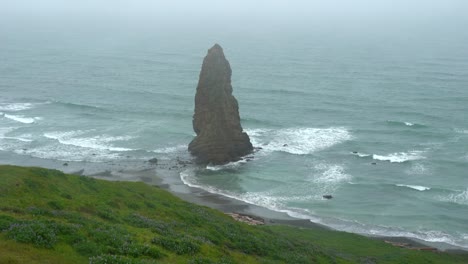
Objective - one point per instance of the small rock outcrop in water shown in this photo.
(216, 120)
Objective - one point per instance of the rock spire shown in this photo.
(216, 120)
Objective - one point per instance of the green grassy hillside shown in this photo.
(50, 217)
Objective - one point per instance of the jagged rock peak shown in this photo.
(216, 120)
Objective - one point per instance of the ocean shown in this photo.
(375, 118)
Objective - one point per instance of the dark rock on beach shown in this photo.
(153, 161)
(216, 121)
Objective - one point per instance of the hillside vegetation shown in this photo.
(47, 216)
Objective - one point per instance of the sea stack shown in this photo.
(216, 120)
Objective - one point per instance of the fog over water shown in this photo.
(239, 13)
(326, 88)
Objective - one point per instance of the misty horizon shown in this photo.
(360, 14)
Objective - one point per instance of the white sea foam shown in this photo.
(101, 142)
(68, 153)
(460, 197)
(330, 174)
(169, 150)
(414, 187)
(6, 130)
(417, 169)
(3, 131)
(68, 146)
(362, 155)
(263, 199)
(400, 157)
(13, 107)
(22, 119)
(230, 165)
(299, 141)
(461, 131)
(409, 124)
(17, 138)
(424, 235)
(326, 179)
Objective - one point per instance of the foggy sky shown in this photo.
(232, 10)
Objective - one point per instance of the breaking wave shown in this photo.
(260, 199)
(397, 157)
(230, 165)
(405, 123)
(14, 107)
(330, 174)
(170, 150)
(400, 157)
(361, 155)
(102, 142)
(414, 187)
(22, 119)
(299, 141)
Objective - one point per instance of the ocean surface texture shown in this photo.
(379, 121)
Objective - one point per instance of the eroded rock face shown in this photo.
(216, 120)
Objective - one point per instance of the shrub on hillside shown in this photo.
(41, 234)
(112, 259)
(181, 246)
(5, 221)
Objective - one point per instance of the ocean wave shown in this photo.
(77, 105)
(400, 157)
(22, 119)
(414, 187)
(326, 179)
(14, 107)
(171, 150)
(260, 199)
(17, 138)
(361, 155)
(230, 165)
(330, 174)
(101, 142)
(417, 169)
(7, 144)
(461, 131)
(299, 141)
(6, 130)
(460, 197)
(434, 236)
(405, 123)
(69, 153)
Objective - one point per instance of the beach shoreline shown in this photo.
(166, 175)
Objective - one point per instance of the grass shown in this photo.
(47, 216)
